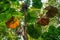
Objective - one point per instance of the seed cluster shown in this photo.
(51, 12)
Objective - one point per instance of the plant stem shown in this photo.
(25, 25)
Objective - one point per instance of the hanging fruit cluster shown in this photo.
(44, 19)
(51, 11)
(13, 22)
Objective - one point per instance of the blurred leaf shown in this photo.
(33, 32)
(52, 2)
(13, 0)
(3, 29)
(37, 3)
(13, 12)
(51, 29)
(15, 5)
(58, 30)
(3, 17)
(38, 28)
(45, 36)
(48, 36)
(51, 34)
(4, 6)
(31, 16)
(28, 2)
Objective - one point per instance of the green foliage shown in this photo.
(28, 2)
(3, 17)
(4, 6)
(37, 3)
(33, 31)
(52, 33)
(52, 2)
(13, 0)
(58, 30)
(51, 29)
(8, 9)
(38, 28)
(31, 16)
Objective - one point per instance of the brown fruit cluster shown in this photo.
(43, 21)
(12, 22)
(52, 11)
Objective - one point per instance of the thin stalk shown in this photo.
(25, 25)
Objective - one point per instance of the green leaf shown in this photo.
(51, 29)
(13, 12)
(37, 3)
(48, 36)
(58, 30)
(3, 17)
(51, 34)
(4, 6)
(45, 36)
(33, 32)
(31, 17)
(28, 2)
(38, 28)
(13, 0)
